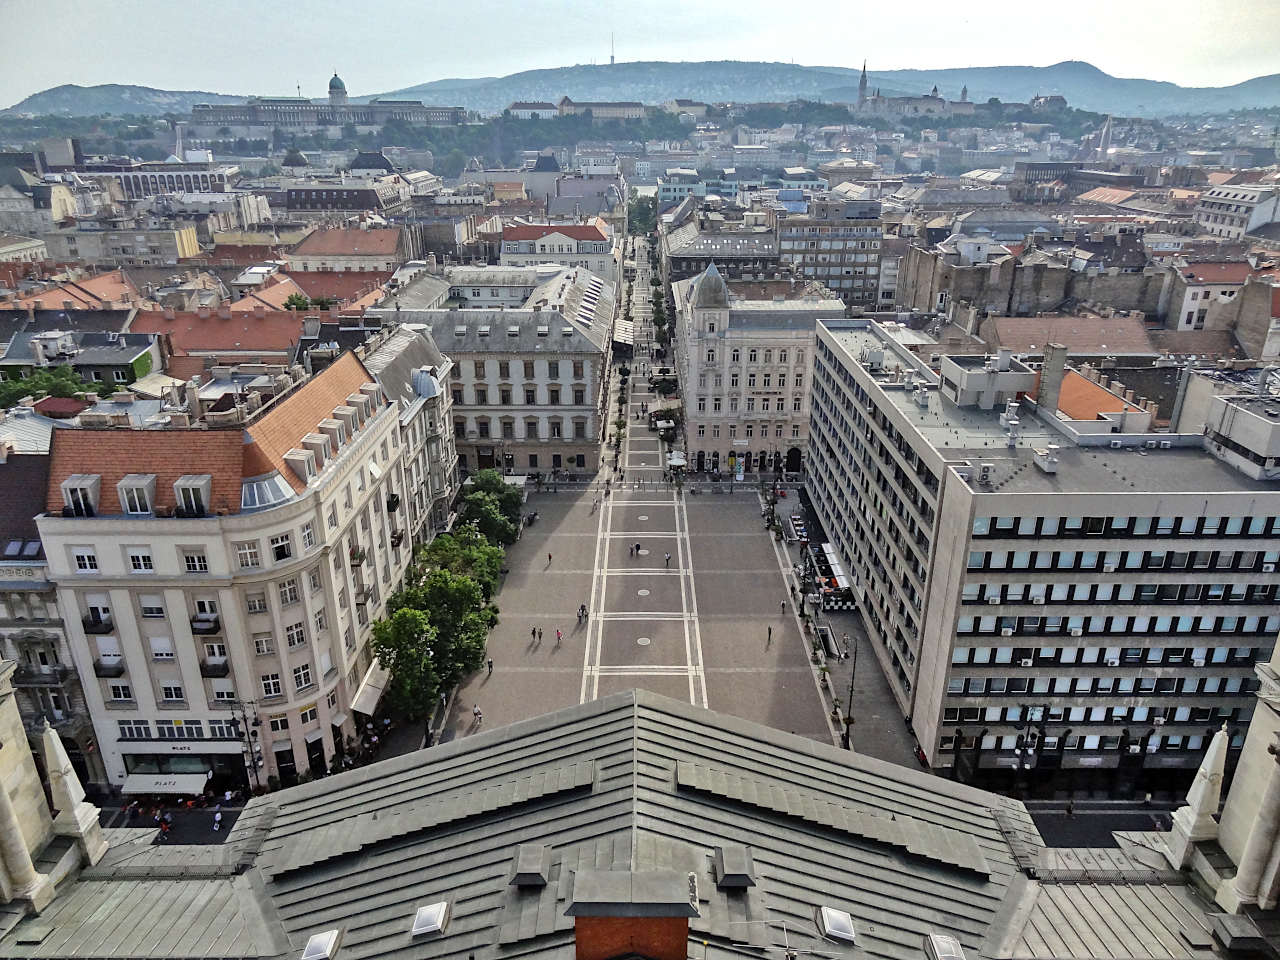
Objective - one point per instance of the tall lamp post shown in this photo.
(247, 730)
(847, 737)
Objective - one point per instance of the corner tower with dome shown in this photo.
(337, 91)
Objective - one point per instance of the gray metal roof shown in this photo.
(459, 332)
(398, 358)
(601, 809)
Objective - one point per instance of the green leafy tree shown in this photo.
(464, 552)
(406, 644)
(296, 301)
(456, 609)
(484, 510)
(509, 498)
(59, 382)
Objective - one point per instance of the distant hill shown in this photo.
(115, 99)
(1084, 86)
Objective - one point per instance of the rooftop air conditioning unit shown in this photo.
(1151, 444)
(1006, 632)
(1116, 444)
(1113, 663)
(1268, 568)
(1026, 662)
(1038, 601)
(1158, 721)
(1077, 632)
(1135, 748)
(1109, 568)
(1166, 444)
(993, 600)
(1197, 663)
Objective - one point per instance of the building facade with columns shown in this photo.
(219, 575)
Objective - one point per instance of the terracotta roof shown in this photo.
(60, 408)
(535, 231)
(340, 285)
(1080, 334)
(350, 242)
(169, 454)
(91, 293)
(183, 367)
(282, 427)
(271, 296)
(1112, 195)
(240, 255)
(276, 331)
(1082, 399)
(1231, 271)
(1204, 343)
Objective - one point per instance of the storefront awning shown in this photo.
(179, 784)
(337, 720)
(370, 690)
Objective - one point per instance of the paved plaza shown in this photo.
(714, 624)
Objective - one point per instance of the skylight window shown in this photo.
(431, 918)
(836, 924)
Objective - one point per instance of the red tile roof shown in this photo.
(169, 454)
(535, 231)
(92, 293)
(343, 286)
(60, 408)
(282, 427)
(276, 331)
(1230, 271)
(1081, 334)
(271, 295)
(1082, 399)
(240, 255)
(350, 242)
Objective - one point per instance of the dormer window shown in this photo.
(137, 493)
(80, 494)
(192, 493)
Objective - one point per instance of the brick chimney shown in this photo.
(643, 913)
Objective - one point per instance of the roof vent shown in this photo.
(323, 946)
(544, 331)
(460, 330)
(533, 864)
(432, 918)
(513, 331)
(484, 330)
(733, 867)
(836, 924)
(566, 331)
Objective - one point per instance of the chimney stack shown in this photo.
(1051, 373)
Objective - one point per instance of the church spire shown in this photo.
(862, 85)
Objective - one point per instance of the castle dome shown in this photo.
(336, 85)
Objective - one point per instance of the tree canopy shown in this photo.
(464, 552)
(405, 644)
(44, 382)
(484, 510)
(509, 498)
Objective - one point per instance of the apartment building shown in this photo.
(747, 353)
(836, 242)
(45, 682)
(123, 245)
(1235, 209)
(1055, 593)
(590, 246)
(218, 574)
(412, 370)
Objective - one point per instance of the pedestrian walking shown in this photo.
(475, 712)
(769, 641)
(539, 634)
(548, 559)
(793, 591)
(533, 634)
(491, 666)
(666, 561)
(637, 553)
(1071, 809)
(217, 821)
(631, 551)
(559, 637)
(782, 605)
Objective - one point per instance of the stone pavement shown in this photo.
(714, 625)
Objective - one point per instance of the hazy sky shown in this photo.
(266, 47)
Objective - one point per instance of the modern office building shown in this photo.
(218, 573)
(1055, 592)
(836, 242)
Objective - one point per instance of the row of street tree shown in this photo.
(437, 625)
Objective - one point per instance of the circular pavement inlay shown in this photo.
(643, 641)
(643, 553)
(643, 516)
(642, 593)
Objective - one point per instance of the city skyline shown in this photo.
(565, 32)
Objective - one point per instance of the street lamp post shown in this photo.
(848, 714)
(248, 732)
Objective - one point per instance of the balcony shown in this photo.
(215, 667)
(356, 556)
(40, 675)
(203, 624)
(362, 595)
(397, 537)
(393, 502)
(108, 668)
(97, 624)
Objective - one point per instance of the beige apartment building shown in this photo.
(747, 353)
(219, 574)
(1056, 594)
